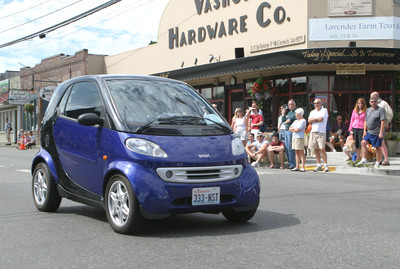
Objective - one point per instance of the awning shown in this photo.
(288, 59)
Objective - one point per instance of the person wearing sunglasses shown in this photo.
(338, 132)
(374, 127)
(389, 116)
(319, 119)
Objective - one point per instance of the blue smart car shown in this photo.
(142, 148)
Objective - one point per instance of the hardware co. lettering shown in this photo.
(265, 15)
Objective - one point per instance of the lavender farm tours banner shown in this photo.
(366, 28)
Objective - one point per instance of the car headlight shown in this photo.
(237, 147)
(145, 147)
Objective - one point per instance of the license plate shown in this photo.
(205, 196)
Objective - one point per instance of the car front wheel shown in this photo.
(44, 189)
(122, 206)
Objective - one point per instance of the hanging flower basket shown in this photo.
(261, 90)
(29, 108)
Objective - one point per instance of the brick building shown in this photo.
(50, 72)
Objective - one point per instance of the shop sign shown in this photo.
(371, 28)
(18, 97)
(350, 69)
(4, 86)
(233, 26)
(278, 43)
(356, 55)
(47, 92)
(350, 8)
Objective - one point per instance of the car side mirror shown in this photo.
(90, 119)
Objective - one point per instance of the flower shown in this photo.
(262, 89)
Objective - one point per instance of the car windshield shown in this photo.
(146, 102)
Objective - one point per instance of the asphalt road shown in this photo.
(305, 220)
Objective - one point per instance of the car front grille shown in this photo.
(199, 174)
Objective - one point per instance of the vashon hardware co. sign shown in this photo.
(265, 15)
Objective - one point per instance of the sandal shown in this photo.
(281, 168)
(385, 163)
(271, 166)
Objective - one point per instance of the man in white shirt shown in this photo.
(318, 118)
(258, 149)
(389, 116)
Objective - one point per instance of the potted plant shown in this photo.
(29, 108)
(392, 143)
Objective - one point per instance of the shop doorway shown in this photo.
(235, 100)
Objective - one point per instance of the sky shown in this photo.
(126, 25)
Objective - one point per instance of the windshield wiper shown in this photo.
(227, 129)
(181, 120)
(169, 120)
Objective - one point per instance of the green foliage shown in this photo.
(391, 136)
(29, 108)
(358, 164)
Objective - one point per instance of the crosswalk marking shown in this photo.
(24, 170)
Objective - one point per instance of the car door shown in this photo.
(79, 147)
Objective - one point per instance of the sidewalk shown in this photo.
(337, 163)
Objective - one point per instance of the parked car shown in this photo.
(142, 148)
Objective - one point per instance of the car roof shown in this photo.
(119, 76)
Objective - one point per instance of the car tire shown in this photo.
(44, 189)
(122, 206)
(239, 216)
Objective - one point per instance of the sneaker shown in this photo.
(334, 150)
(361, 164)
(376, 166)
(326, 169)
(295, 169)
(385, 163)
(302, 170)
(255, 164)
(318, 168)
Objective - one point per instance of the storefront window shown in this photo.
(318, 83)
(215, 95)
(360, 83)
(218, 93)
(340, 83)
(282, 86)
(301, 101)
(382, 83)
(350, 83)
(338, 105)
(207, 93)
(299, 84)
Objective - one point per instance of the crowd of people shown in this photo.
(26, 139)
(365, 129)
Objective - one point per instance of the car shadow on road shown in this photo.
(83, 210)
(195, 224)
(198, 224)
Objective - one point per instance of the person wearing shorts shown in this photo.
(318, 118)
(276, 147)
(374, 127)
(298, 128)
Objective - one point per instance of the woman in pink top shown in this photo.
(356, 127)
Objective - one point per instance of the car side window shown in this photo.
(61, 106)
(84, 97)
